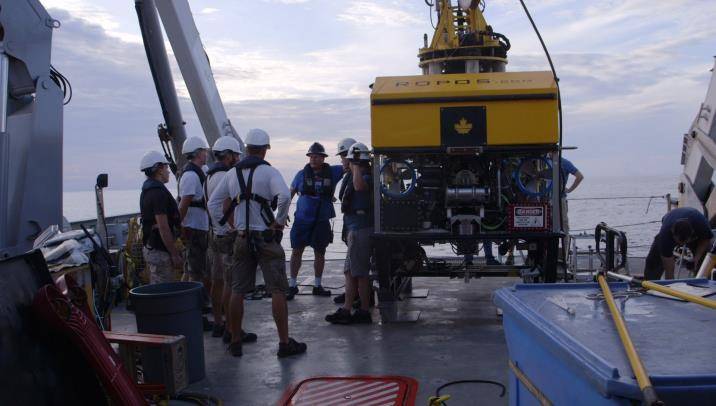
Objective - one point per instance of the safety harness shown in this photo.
(309, 181)
(190, 167)
(246, 194)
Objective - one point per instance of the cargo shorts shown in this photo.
(269, 255)
(221, 248)
(196, 255)
(159, 264)
(359, 252)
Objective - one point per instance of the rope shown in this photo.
(620, 225)
(616, 197)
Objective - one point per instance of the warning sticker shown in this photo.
(528, 217)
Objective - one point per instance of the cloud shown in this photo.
(630, 83)
(372, 13)
(91, 13)
(208, 10)
(286, 1)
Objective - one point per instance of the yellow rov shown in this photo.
(465, 155)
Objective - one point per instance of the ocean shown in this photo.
(634, 205)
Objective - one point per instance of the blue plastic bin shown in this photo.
(577, 359)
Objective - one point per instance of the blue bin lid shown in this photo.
(676, 340)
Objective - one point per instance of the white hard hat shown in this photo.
(227, 143)
(192, 144)
(152, 158)
(258, 138)
(359, 151)
(344, 144)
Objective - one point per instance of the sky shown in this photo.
(632, 75)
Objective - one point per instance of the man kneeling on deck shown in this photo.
(357, 208)
(316, 184)
(682, 226)
(251, 185)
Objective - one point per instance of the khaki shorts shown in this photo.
(196, 255)
(359, 252)
(268, 255)
(221, 248)
(159, 264)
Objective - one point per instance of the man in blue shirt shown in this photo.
(315, 184)
(567, 168)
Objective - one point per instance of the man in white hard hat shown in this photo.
(160, 220)
(195, 219)
(357, 208)
(251, 186)
(315, 184)
(226, 152)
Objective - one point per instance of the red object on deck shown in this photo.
(352, 390)
(62, 317)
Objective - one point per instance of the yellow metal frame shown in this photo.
(521, 107)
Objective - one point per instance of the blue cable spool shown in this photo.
(523, 188)
(407, 192)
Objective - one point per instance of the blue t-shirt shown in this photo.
(699, 223)
(313, 208)
(566, 168)
(360, 201)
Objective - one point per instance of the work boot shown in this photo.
(218, 330)
(341, 316)
(248, 337)
(292, 347)
(208, 326)
(340, 299)
(319, 291)
(361, 317)
(235, 349)
(292, 292)
(245, 337)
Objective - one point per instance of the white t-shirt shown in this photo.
(267, 183)
(216, 207)
(190, 185)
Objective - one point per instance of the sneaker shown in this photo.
(341, 316)
(248, 337)
(208, 326)
(319, 291)
(292, 347)
(340, 299)
(361, 317)
(227, 336)
(218, 330)
(235, 349)
(292, 292)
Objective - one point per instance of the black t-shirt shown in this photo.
(154, 201)
(702, 229)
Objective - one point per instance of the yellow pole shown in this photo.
(667, 290)
(681, 295)
(642, 377)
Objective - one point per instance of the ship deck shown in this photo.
(458, 336)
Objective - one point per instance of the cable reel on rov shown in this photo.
(533, 177)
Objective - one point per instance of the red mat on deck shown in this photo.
(352, 390)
